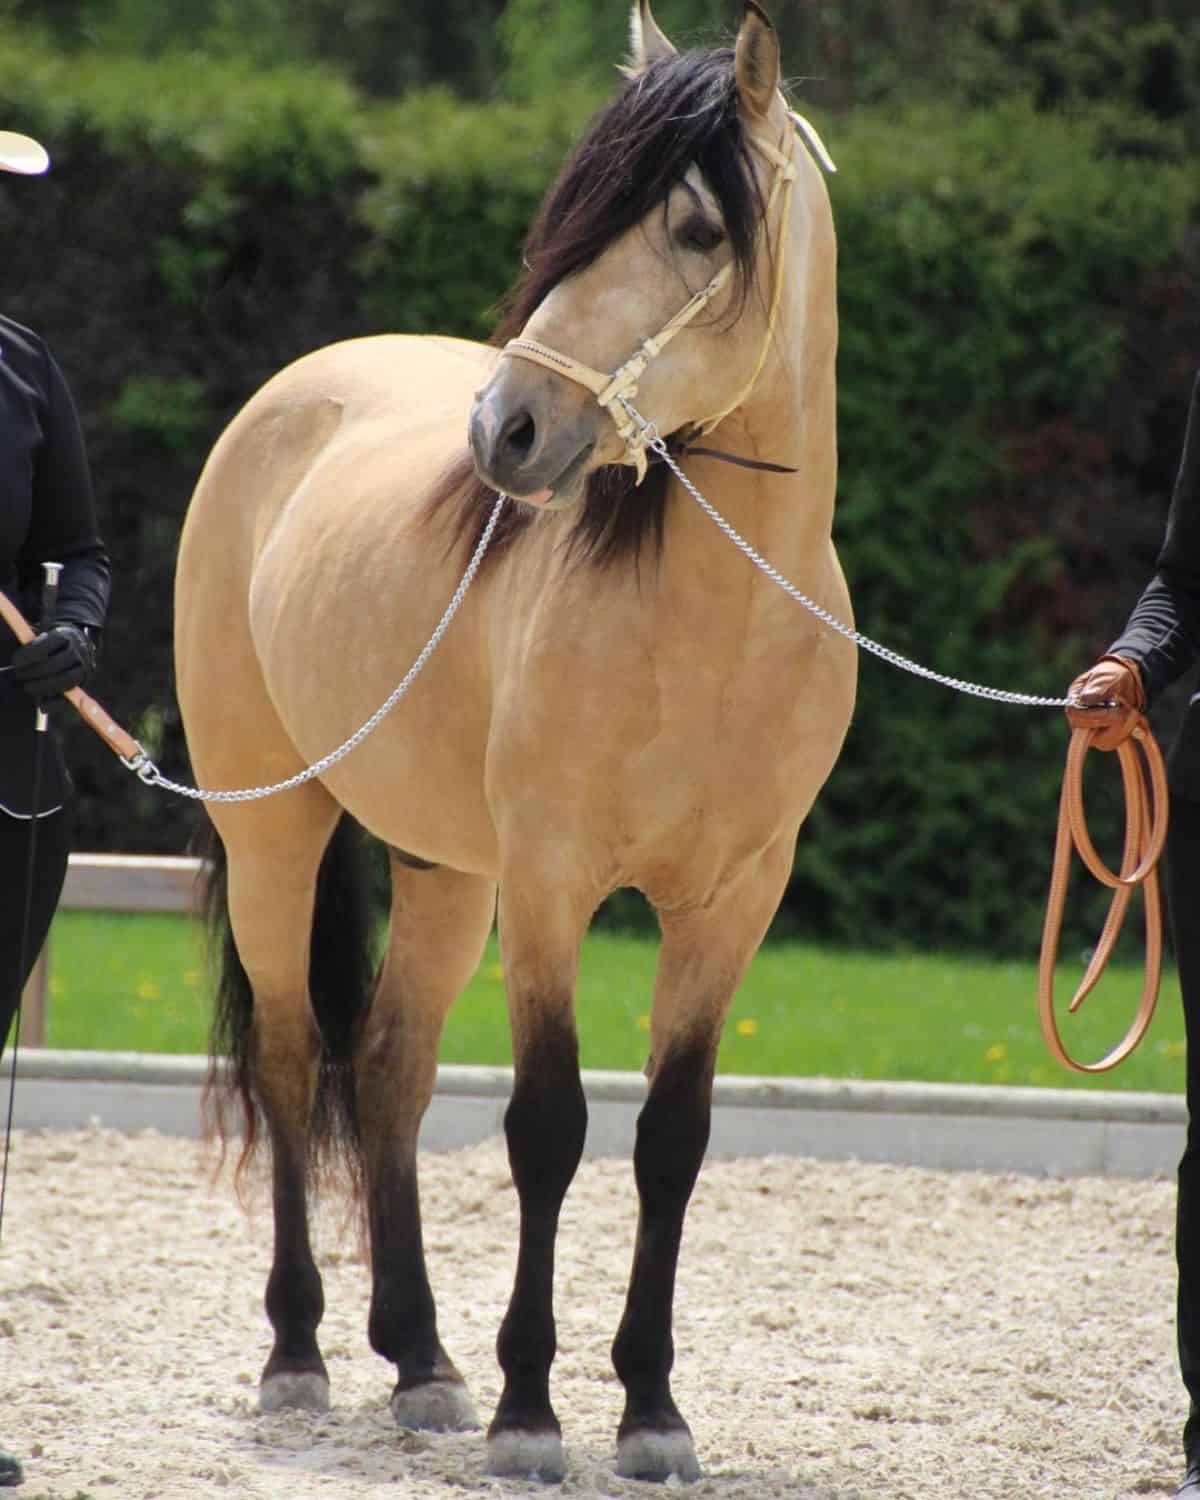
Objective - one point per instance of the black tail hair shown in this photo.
(341, 978)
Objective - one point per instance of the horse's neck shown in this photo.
(790, 419)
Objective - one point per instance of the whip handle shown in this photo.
(50, 573)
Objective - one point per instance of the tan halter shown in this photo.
(615, 390)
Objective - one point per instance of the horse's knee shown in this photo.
(673, 1127)
(546, 1120)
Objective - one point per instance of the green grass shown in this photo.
(140, 984)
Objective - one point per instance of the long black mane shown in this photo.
(682, 110)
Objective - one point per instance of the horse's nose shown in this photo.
(502, 437)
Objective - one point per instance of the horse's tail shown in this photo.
(341, 976)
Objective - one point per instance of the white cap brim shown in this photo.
(21, 153)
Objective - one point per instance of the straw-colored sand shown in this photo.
(842, 1331)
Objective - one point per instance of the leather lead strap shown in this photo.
(689, 451)
(1144, 839)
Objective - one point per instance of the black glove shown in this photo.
(53, 662)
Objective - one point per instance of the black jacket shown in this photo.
(47, 514)
(1162, 635)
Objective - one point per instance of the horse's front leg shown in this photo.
(703, 957)
(545, 1126)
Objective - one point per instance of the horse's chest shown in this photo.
(660, 734)
(640, 739)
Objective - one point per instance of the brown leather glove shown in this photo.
(1112, 699)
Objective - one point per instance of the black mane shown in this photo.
(682, 110)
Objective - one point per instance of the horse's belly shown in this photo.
(416, 781)
(423, 798)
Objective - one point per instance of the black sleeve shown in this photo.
(63, 514)
(1162, 635)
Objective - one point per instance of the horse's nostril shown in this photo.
(518, 434)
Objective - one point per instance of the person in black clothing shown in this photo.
(47, 514)
(1160, 641)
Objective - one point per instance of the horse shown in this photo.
(621, 701)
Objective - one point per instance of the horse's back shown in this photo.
(383, 402)
(411, 393)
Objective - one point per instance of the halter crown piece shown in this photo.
(615, 391)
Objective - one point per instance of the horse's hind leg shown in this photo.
(703, 957)
(274, 855)
(440, 922)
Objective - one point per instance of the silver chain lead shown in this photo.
(885, 653)
(152, 776)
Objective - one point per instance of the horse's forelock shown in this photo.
(681, 110)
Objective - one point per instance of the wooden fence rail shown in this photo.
(110, 882)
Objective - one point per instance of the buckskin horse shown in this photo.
(621, 701)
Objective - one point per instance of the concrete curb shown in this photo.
(1044, 1131)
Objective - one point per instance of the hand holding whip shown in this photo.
(92, 713)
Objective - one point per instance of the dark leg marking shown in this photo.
(294, 1375)
(653, 1440)
(545, 1124)
(402, 1327)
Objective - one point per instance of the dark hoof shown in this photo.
(436, 1406)
(1190, 1488)
(657, 1456)
(10, 1470)
(308, 1391)
(512, 1454)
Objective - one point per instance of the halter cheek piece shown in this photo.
(615, 392)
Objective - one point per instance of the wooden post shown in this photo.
(109, 882)
(33, 1002)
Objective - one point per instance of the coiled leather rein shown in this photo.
(1146, 812)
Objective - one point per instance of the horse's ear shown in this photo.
(756, 63)
(647, 44)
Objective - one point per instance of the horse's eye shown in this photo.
(699, 233)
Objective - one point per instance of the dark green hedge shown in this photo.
(1019, 327)
(993, 390)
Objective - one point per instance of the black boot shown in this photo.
(10, 1470)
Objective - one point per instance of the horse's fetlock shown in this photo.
(295, 1297)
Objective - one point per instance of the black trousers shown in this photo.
(52, 846)
(1183, 888)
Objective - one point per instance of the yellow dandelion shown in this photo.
(643, 1023)
(747, 1027)
(997, 1052)
(147, 990)
(495, 971)
(191, 977)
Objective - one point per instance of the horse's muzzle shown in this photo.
(528, 442)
